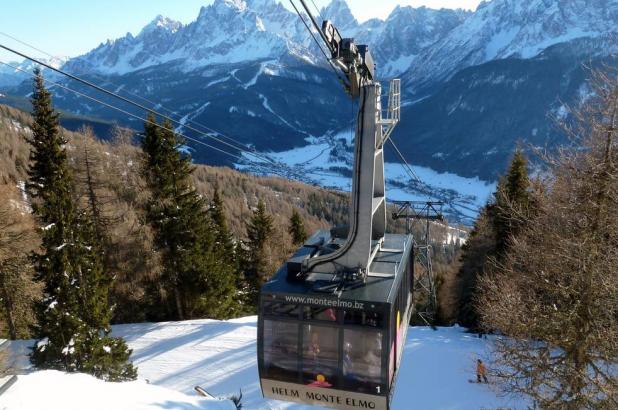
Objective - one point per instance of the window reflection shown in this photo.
(362, 359)
(362, 318)
(327, 314)
(281, 350)
(281, 309)
(320, 355)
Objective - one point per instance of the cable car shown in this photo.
(332, 321)
(336, 341)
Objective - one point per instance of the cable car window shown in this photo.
(281, 309)
(359, 317)
(320, 355)
(362, 359)
(281, 350)
(320, 313)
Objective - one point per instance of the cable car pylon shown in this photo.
(425, 283)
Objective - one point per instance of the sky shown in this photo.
(74, 27)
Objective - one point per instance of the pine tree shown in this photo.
(512, 202)
(18, 290)
(554, 291)
(74, 316)
(476, 253)
(223, 237)
(195, 279)
(297, 228)
(493, 232)
(259, 232)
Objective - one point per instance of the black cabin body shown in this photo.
(333, 344)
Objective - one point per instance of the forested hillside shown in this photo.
(113, 170)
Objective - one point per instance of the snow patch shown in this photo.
(54, 390)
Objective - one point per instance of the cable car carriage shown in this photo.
(332, 322)
(332, 340)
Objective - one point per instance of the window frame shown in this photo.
(381, 309)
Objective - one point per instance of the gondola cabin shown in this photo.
(331, 339)
(332, 321)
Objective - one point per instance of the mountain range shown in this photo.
(475, 84)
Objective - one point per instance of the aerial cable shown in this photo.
(319, 44)
(259, 165)
(405, 164)
(131, 102)
(317, 10)
(124, 99)
(240, 147)
(56, 84)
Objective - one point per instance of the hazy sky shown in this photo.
(73, 27)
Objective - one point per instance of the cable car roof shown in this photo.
(385, 269)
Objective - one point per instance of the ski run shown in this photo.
(174, 357)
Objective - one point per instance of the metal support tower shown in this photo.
(368, 205)
(425, 283)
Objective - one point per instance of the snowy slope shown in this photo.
(327, 160)
(220, 356)
(54, 390)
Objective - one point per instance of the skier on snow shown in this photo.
(481, 371)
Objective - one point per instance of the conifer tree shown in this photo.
(223, 237)
(195, 278)
(18, 290)
(74, 315)
(493, 232)
(259, 232)
(512, 202)
(297, 228)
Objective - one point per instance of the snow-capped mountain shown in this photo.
(10, 77)
(514, 28)
(475, 83)
(239, 31)
(225, 32)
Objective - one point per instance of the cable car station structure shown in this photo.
(333, 319)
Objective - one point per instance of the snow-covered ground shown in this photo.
(323, 159)
(54, 390)
(220, 356)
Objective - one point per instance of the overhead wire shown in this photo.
(232, 144)
(328, 59)
(317, 10)
(241, 146)
(56, 84)
(259, 156)
(405, 163)
(138, 105)
(145, 120)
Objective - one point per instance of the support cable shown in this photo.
(406, 165)
(153, 103)
(56, 84)
(319, 45)
(136, 104)
(317, 10)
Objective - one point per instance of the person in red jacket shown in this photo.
(481, 371)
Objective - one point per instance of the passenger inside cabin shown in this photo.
(362, 360)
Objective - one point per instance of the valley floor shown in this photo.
(220, 356)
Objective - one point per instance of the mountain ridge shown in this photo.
(249, 69)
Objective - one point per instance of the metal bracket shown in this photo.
(393, 113)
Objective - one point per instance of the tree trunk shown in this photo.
(178, 299)
(8, 306)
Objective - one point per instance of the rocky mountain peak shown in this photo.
(340, 14)
(160, 23)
